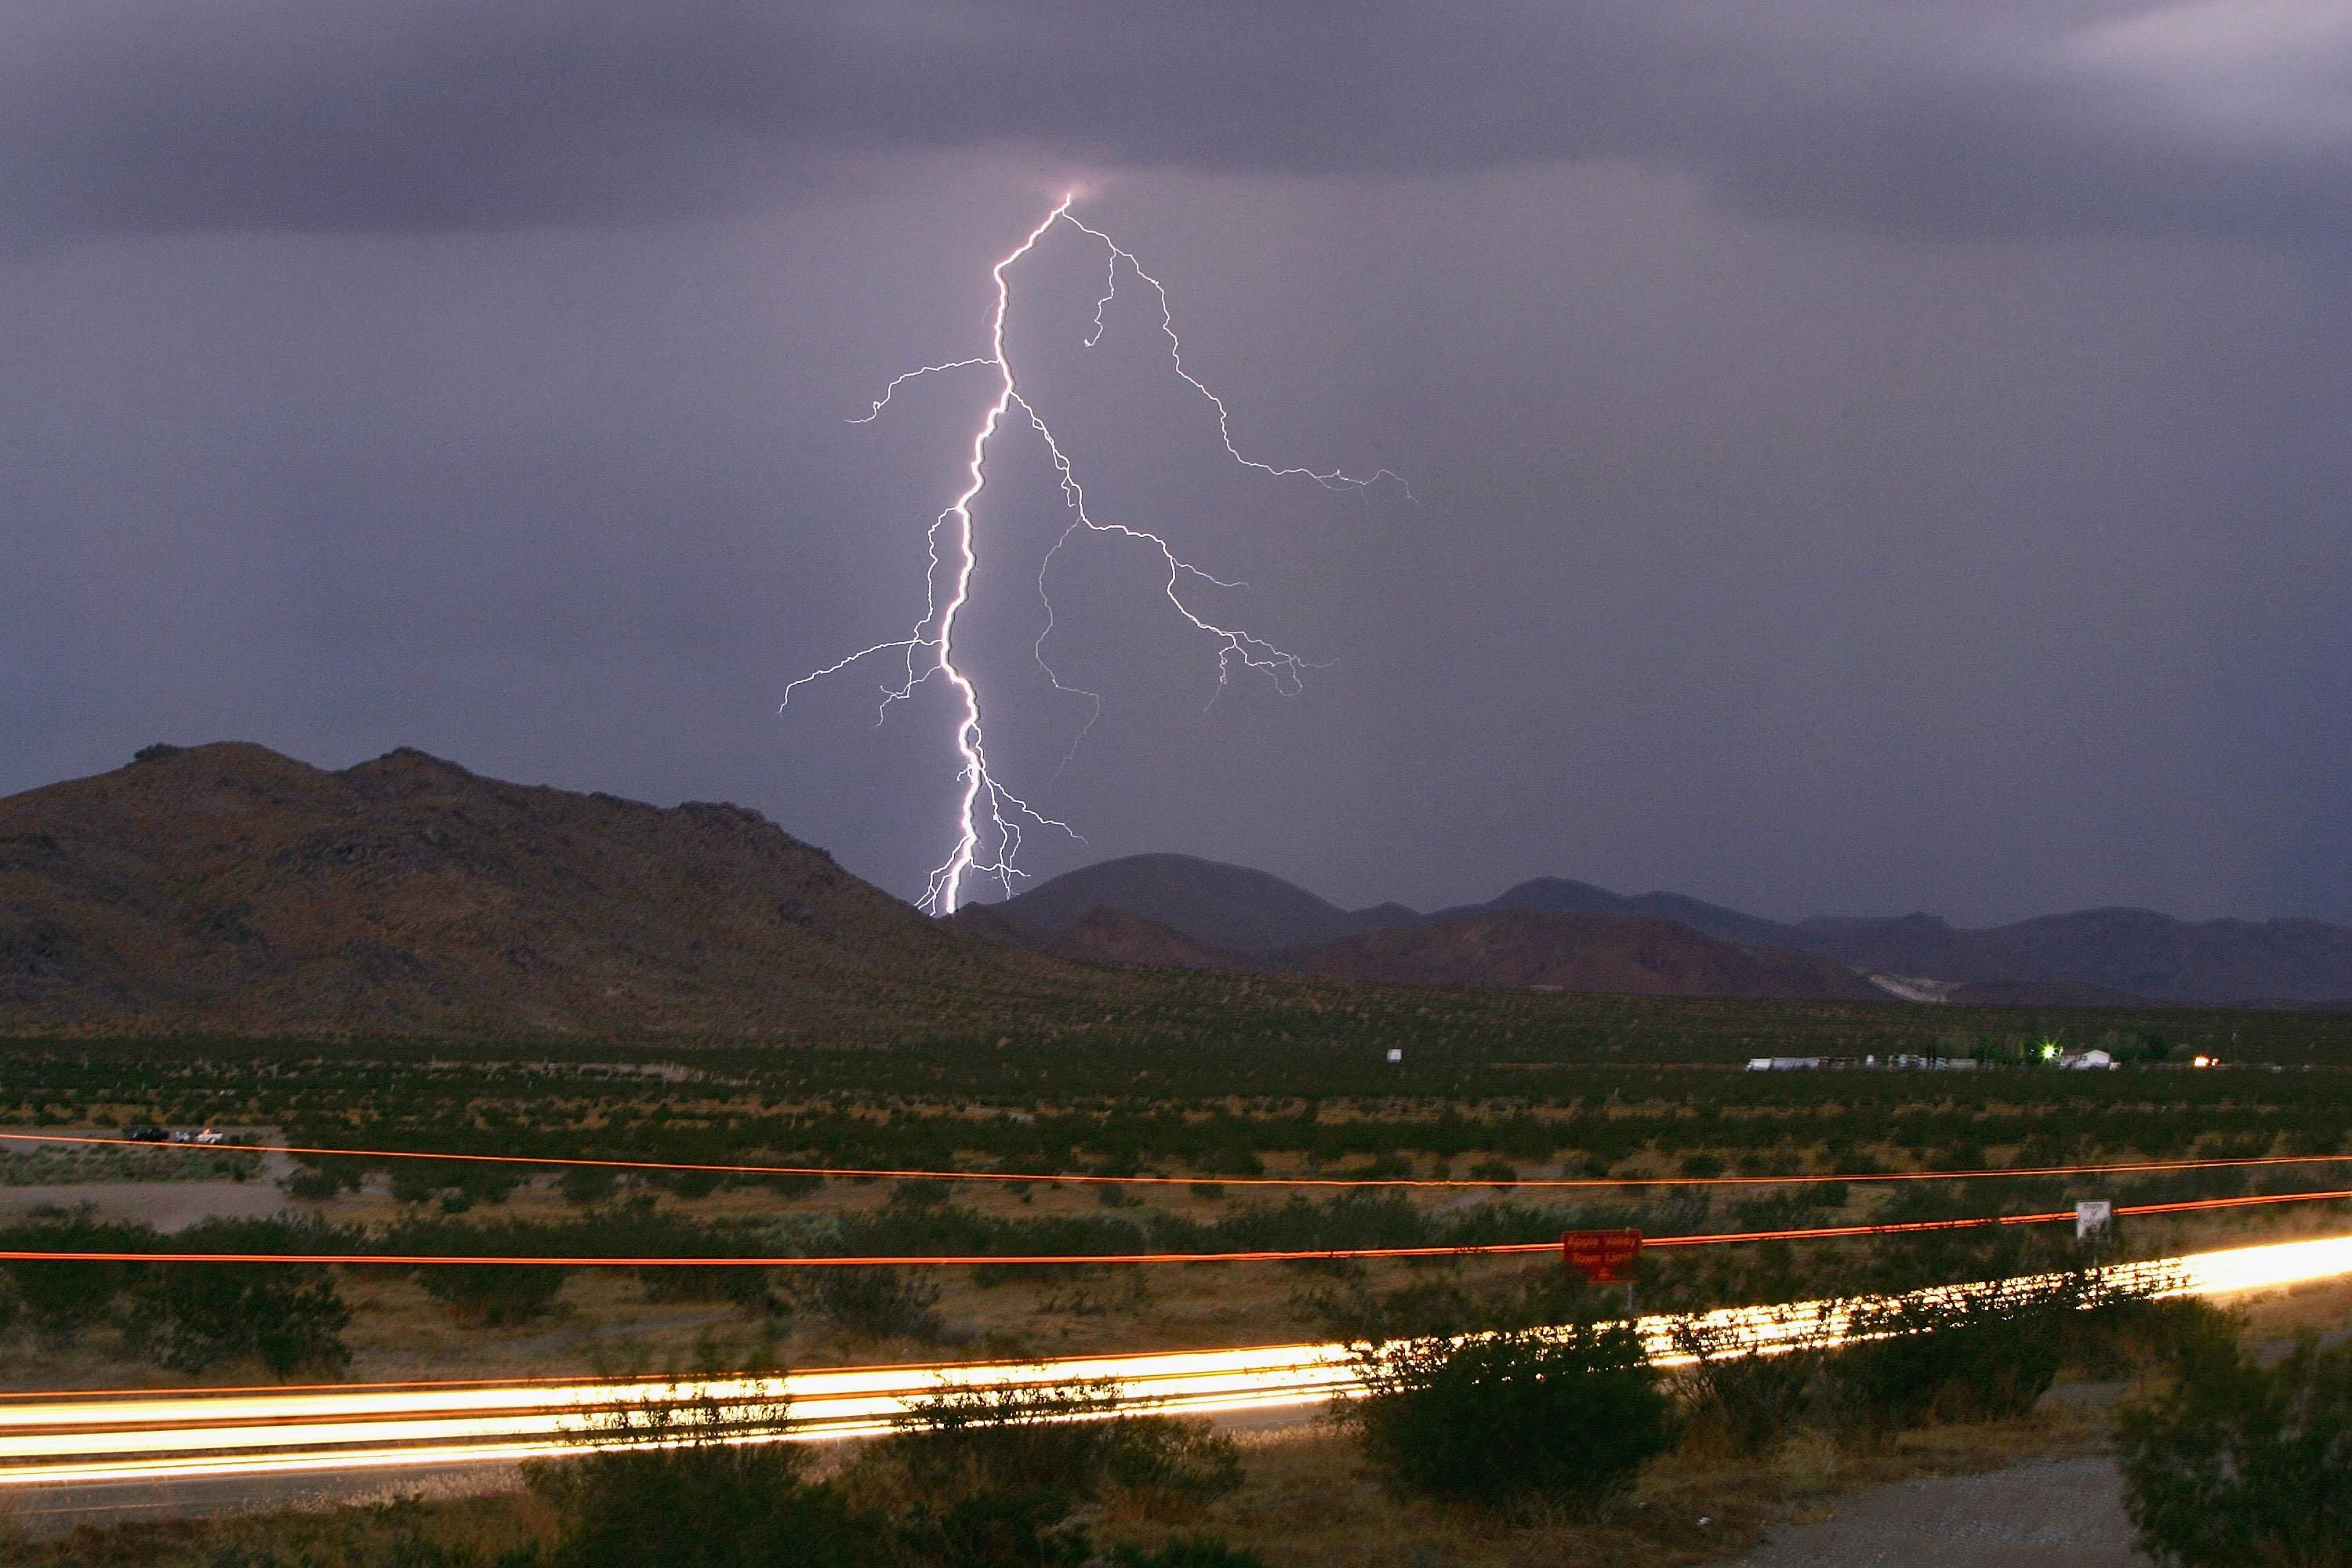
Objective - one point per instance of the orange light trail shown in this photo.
(150, 1436)
(2122, 1168)
(1081, 1259)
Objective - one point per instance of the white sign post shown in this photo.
(2093, 1219)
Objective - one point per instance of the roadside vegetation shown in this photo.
(1515, 1447)
(1495, 1088)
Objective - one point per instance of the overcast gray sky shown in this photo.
(1871, 455)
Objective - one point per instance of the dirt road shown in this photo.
(2063, 1513)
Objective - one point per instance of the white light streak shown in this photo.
(990, 819)
(56, 1439)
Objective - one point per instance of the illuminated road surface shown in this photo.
(104, 1440)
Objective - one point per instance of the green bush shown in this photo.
(60, 1299)
(190, 1316)
(2241, 1464)
(1568, 1414)
(995, 1528)
(1968, 1356)
(705, 1506)
(1750, 1401)
(882, 1301)
(1060, 1439)
(586, 1184)
(494, 1293)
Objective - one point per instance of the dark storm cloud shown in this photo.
(1950, 116)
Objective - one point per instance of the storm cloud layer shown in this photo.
(1871, 454)
(1972, 116)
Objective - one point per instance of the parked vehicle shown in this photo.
(147, 1134)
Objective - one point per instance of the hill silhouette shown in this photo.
(1222, 906)
(225, 887)
(2088, 958)
(1549, 950)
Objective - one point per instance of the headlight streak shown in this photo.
(58, 1440)
(847, 1172)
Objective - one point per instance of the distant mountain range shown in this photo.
(2093, 957)
(228, 888)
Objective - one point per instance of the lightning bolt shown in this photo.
(991, 820)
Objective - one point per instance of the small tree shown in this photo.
(2241, 1464)
(1566, 1414)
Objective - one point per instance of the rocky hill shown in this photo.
(225, 887)
(1578, 952)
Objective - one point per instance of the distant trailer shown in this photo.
(1783, 1064)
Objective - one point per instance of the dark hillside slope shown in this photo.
(228, 888)
(1230, 907)
(1115, 936)
(1580, 953)
(1561, 896)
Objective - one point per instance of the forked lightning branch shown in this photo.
(990, 819)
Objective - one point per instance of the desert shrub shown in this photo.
(1968, 1357)
(1568, 1414)
(703, 1505)
(995, 1528)
(458, 1186)
(1749, 1402)
(743, 1287)
(494, 1293)
(188, 1317)
(2238, 1463)
(61, 1298)
(586, 1184)
(313, 1184)
(1060, 1439)
(2131, 1332)
(996, 1476)
(883, 1301)
(912, 1194)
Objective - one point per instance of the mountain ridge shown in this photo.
(2106, 956)
(228, 887)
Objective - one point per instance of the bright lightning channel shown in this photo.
(990, 818)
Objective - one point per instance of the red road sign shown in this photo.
(1602, 1256)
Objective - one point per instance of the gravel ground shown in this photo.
(2064, 1513)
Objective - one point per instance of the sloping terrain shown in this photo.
(1115, 936)
(1578, 952)
(225, 887)
(2135, 953)
(1230, 907)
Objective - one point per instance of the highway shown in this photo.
(144, 1450)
